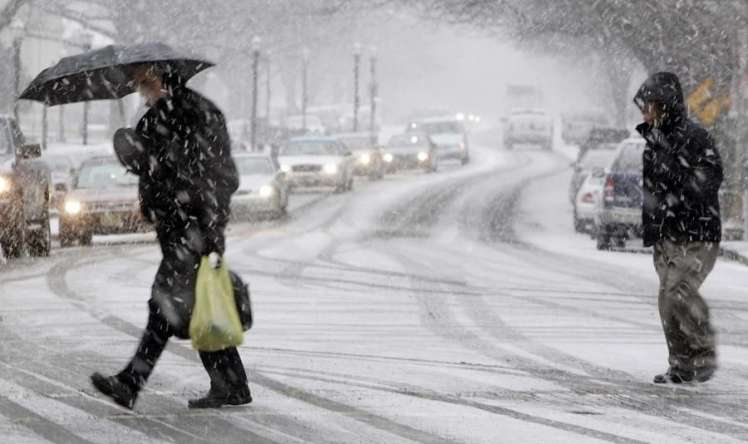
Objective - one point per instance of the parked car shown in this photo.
(262, 187)
(104, 200)
(367, 155)
(576, 126)
(410, 151)
(599, 136)
(528, 127)
(317, 161)
(295, 125)
(62, 172)
(25, 183)
(587, 201)
(620, 212)
(449, 135)
(598, 158)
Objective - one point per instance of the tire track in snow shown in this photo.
(59, 286)
(432, 309)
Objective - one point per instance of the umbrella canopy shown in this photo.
(105, 73)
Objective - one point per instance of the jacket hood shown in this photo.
(663, 88)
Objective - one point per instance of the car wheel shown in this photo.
(578, 224)
(66, 239)
(620, 242)
(86, 239)
(40, 241)
(13, 246)
(603, 239)
(15, 238)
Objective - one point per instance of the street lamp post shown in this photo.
(356, 69)
(17, 29)
(304, 85)
(255, 68)
(16, 75)
(86, 46)
(373, 96)
(267, 86)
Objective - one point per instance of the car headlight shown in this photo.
(266, 191)
(286, 168)
(388, 157)
(365, 158)
(330, 168)
(72, 207)
(423, 156)
(4, 184)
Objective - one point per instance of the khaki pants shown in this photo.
(682, 268)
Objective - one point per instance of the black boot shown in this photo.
(228, 380)
(112, 387)
(219, 397)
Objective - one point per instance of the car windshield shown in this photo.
(248, 166)
(597, 158)
(445, 127)
(310, 148)
(406, 140)
(629, 159)
(356, 143)
(59, 164)
(105, 175)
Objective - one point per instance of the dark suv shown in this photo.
(620, 213)
(24, 194)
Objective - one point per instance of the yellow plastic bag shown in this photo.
(215, 321)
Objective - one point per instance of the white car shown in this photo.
(587, 201)
(317, 161)
(262, 187)
(528, 127)
(592, 163)
(367, 154)
(449, 135)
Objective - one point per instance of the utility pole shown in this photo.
(255, 74)
(373, 96)
(356, 70)
(16, 76)
(304, 85)
(86, 41)
(267, 86)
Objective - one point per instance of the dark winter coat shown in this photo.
(186, 185)
(682, 170)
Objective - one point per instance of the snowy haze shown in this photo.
(450, 297)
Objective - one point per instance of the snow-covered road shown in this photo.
(452, 307)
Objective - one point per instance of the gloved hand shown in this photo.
(214, 259)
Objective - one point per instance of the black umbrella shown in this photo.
(105, 73)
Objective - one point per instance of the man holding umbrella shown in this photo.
(180, 150)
